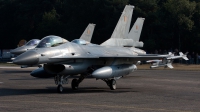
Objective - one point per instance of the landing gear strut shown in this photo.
(75, 82)
(111, 83)
(60, 80)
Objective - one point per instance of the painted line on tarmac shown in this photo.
(93, 105)
(1, 82)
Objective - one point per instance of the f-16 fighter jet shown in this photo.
(84, 39)
(107, 63)
(29, 45)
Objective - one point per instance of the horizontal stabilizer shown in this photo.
(118, 42)
(138, 44)
(122, 43)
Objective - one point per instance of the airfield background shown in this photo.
(169, 24)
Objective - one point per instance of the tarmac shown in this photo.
(141, 91)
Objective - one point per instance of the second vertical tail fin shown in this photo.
(136, 29)
(87, 34)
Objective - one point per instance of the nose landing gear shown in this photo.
(60, 88)
(60, 80)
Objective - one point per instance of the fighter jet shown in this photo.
(29, 45)
(84, 39)
(107, 63)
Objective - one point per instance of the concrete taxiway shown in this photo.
(142, 91)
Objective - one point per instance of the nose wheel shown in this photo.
(60, 88)
(60, 80)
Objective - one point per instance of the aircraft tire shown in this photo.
(60, 88)
(113, 84)
(74, 84)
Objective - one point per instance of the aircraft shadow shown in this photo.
(17, 71)
(24, 79)
(97, 90)
(52, 90)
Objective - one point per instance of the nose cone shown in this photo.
(18, 50)
(27, 58)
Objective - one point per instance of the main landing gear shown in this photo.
(75, 82)
(60, 80)
(111, 83)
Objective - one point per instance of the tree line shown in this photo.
(169, 24)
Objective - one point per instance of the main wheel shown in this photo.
(113, 84)
(74, 84)
(59, 89)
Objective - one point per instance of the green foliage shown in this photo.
(50, 16)
(168, 23)
(50, 24)
(181, 11)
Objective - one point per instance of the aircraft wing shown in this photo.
(89, 56)
(110, 53)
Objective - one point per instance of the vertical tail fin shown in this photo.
(123, 25)
(121, 30)
(87, 34)
(136, 29)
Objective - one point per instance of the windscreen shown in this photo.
(33, 42)
(50, 41)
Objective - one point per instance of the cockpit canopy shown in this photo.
(33, 42)
(51, 41)
(80, 41)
